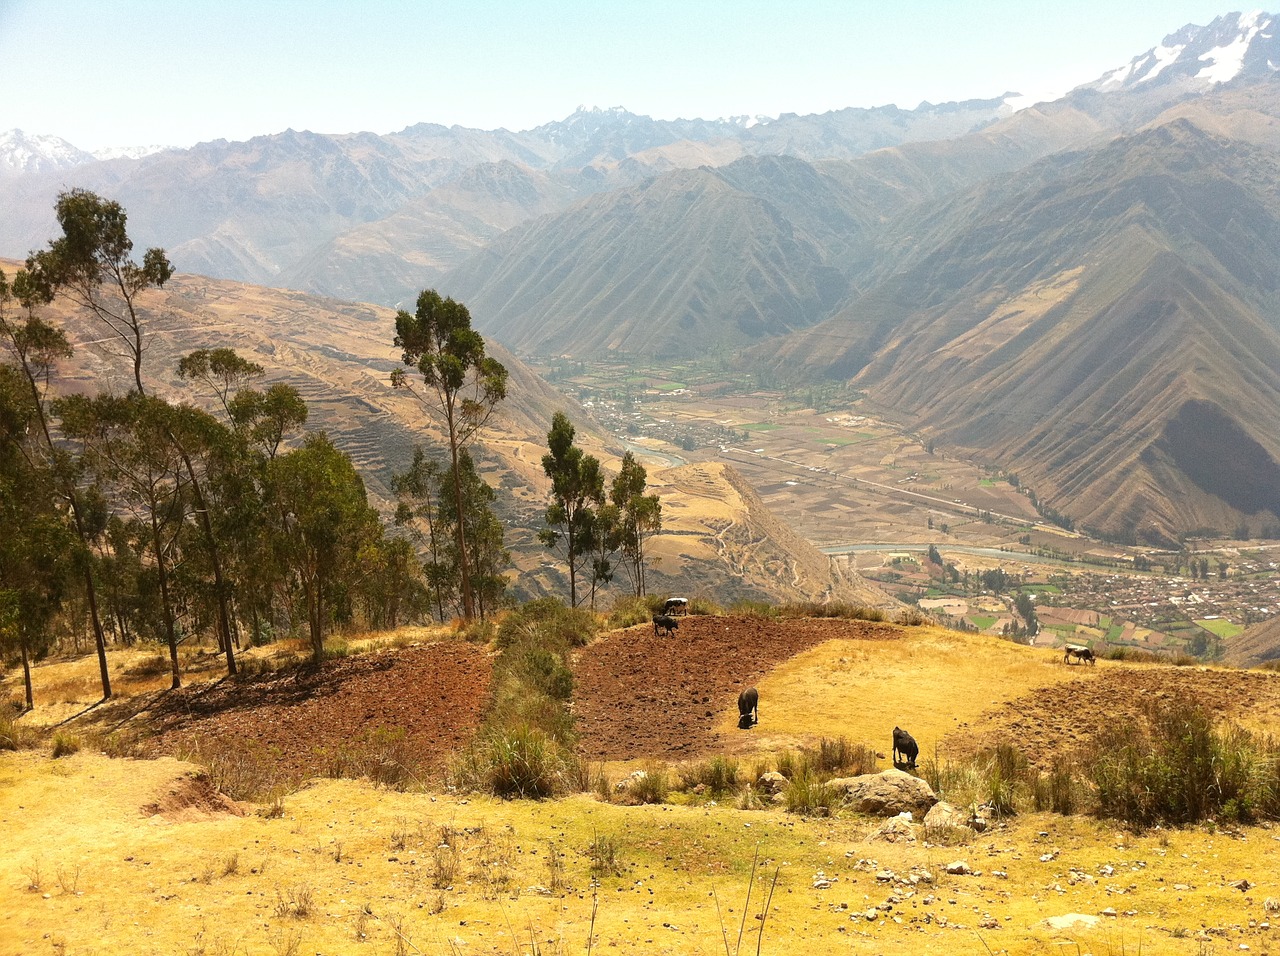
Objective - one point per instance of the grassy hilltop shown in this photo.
(378, 853)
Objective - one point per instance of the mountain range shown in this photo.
(1081, 292)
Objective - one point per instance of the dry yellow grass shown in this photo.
(930, 682)
(352, 869)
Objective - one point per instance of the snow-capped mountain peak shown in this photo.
(1201, 57)
(22, 153)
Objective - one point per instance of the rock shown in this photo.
(772, 782)
(1109, 912)
(1071, 921)
(958, 868)
(989, 922)
(1242, 885)
(886, 794)
(884, 876)
(629, 781)
(896, 830)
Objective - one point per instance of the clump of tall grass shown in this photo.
(808, 794)
(652, 785)
(836, 609)
(750, 607)
(1177, 767)
(383, 756)
(629, 610)
(839, 756)
(517, 762)
(718, 776)
(15, 735)
(999, 778)
(241, 769)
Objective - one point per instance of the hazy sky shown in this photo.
(175, 72)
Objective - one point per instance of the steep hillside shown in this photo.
(719, 539)
(687, 257)
(1102, 324)
(1259, 644)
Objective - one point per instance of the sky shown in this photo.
(105, 73)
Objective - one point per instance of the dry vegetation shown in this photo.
(113, 854)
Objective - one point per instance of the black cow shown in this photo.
(1080, 653)
(673, 605)
(668, 624)
(748, 708)
(905, 745)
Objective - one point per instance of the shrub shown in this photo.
(64, 745)
(1178, 768)
(541, 670)
(836, 609)
(1057, 789)
(701, 605)
(1000, 778)
(605, 854)
(550, 621)
(652, 786)
(383, 756)
(912, 617)
(631, 610)
(240, 769)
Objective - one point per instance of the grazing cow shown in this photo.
(1079, 652)
(674, 605)
(748, 708)
(666, 623)
(904, 745)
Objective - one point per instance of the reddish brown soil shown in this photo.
(435, 694)
(1065, 719)
(637, 695)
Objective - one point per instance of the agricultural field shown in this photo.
(874, 498)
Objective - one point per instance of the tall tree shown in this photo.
(640, 515)
(489, 557)
(327, 519)
(461, 385)
(577, 489)
(37, 347)
(418, 491)
(128, 441)
(35, 540)
(91, 263)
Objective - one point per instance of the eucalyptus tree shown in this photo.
(129, 444)
(37, 347)
(418, 492)
(326, 522)
(639, 515)
(91, 263)
(35, 539)
(483, 530)
(460, 386)
(577, 490)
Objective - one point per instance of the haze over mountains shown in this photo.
(1082, 292)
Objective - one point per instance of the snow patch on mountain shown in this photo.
(1226, 61)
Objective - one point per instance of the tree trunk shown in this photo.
(162, 572)
(464, 571)
(26, 673)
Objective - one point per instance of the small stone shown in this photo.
(958, 868)
(1109, 911)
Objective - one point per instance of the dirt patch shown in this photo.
(1065, 719)
(640, 696)
(193, 797)
(435, 695)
